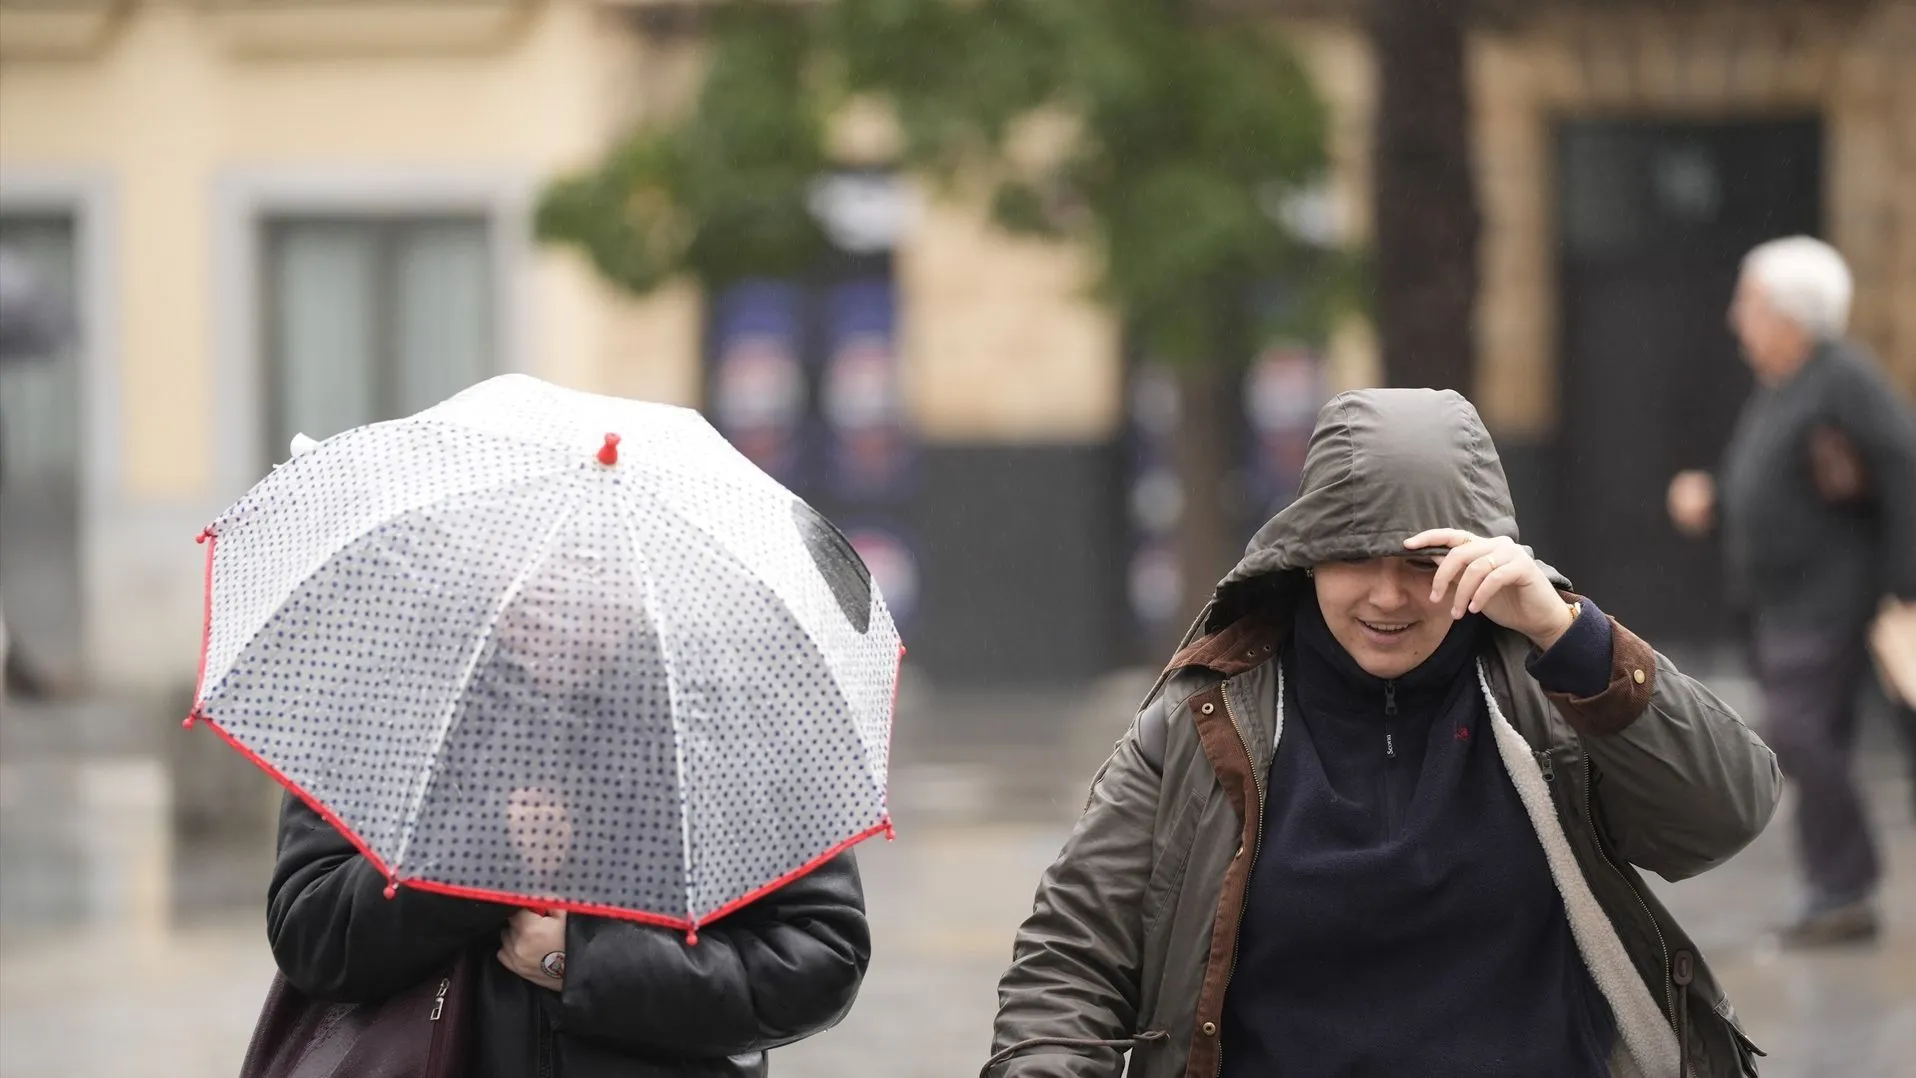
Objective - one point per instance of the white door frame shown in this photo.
(245, 198)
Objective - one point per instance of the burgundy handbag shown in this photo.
(422, 1032)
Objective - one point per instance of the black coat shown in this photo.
(1795, 557)
(638, 1002)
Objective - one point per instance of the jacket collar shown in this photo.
(1335, 680)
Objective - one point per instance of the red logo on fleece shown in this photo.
(1463, 733)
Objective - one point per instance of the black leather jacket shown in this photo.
(638, 1002)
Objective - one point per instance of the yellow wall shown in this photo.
(1002, 341)
(167, 106)
(174, 95)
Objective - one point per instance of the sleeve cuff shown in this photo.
(1625, 695)
(1578, 664)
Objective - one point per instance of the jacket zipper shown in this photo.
(1390, 712)
(1682, 971)
(1663, 948)
(436, 1042)
(1390, 753)
(1257, 842)
(546, 1067)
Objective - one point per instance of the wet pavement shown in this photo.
(132, 943)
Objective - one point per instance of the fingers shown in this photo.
(534, 932)
(1444, 537)
(1475, 572)
(1499, 578)
(1456, 562)
(519, 927)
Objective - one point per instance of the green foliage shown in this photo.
(721, 194)
(1184, 130)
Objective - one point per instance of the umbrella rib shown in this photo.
(451, 711)
(643, 570)
(686, 517)
(333, 550)
(689, 519)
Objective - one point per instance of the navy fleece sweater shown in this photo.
(1401, 917)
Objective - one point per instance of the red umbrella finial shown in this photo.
(609, 452)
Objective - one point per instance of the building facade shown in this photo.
(270, 217)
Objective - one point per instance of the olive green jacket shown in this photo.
(1131, 941)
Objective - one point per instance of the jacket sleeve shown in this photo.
(1681, 783)
(781, 969)
(1882, 428)
(1076, 964)
(333, 931)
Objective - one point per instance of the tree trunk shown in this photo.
(1424, 199)
(1209, 460)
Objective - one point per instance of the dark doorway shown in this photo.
(40, 447)
(1655, 219)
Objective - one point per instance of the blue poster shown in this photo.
(860, 393)
(759, 394)
(1283, 390)
(1155, 499)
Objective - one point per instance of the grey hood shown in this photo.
(1383, 465)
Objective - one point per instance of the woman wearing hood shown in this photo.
(1385, 810)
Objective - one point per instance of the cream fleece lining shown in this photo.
(1641, 1024)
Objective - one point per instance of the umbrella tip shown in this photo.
(691, 937)
(391, 889)
(186, 723)
(609, 452)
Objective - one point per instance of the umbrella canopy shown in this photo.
(545, 647)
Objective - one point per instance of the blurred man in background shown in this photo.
(1816, 504)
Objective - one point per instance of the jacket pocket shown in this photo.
(1746, 1050)
(1171, 853)
(1718, 1046)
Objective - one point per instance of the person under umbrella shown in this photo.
(601, 725)
(572, 996)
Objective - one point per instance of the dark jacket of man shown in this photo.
(1803, 554)
(637, 1001)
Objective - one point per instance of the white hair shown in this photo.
(1805, 281)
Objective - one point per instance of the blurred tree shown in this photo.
(1166, 136)
(719, 195)
(1424, 202)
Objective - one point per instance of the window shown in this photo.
(371, 318)
(40, 440)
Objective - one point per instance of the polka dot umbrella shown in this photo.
(554, 649)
